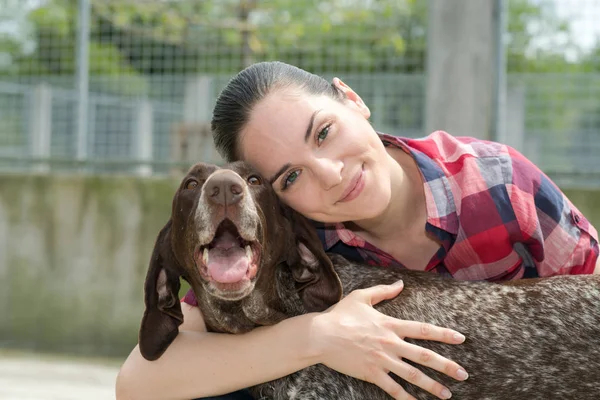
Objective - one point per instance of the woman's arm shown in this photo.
(200, 363)
(351, 337)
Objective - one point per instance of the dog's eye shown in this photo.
(191, 184)
(254, 180)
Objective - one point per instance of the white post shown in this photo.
(500, 106)
(82, 84)
(41, 126)
(515, 118)
(197, 104)
(197, 109)
(143, 137)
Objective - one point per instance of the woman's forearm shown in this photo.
(351, 337)
(199, 364)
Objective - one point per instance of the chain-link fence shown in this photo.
(553, 64)
(127, 86)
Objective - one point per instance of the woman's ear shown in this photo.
(353, 97)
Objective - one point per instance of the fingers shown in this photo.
(415, 376)
(411, 375)
(425, 331)
(391, 387)
(426, 357)
(392, 349)
(377, 294)
(433, 360)
(412, 329)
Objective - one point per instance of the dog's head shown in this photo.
(227, 235)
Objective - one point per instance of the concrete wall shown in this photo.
(74, 253)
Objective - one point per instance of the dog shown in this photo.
(252, 261)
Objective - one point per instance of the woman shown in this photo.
(458, 206)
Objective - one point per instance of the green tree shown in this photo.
(186, 36)
(538, 40)
(134, 38)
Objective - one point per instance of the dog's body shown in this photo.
(529, 339)
(535, 340)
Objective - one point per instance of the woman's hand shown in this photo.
(357, 340)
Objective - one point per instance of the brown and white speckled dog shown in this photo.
(252, 261)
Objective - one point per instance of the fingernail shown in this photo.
(462, 374)
(446, 394)
(398, 283)
(459, 337)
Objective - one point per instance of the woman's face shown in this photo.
(322, 156)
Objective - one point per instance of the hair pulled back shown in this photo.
(237, 100)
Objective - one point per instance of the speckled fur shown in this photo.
(530, 341)
(539, 340)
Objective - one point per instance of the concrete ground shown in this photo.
(29, 376)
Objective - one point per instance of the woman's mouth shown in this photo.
(355, 186)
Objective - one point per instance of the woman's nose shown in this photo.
(329, 172)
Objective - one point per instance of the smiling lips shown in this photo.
(354, 188)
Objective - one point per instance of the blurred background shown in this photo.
(104, 102)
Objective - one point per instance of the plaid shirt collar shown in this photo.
(438, 197)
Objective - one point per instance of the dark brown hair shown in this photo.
(237, 100)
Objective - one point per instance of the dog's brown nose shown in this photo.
(225, 188)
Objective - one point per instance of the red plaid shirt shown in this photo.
(496, 215)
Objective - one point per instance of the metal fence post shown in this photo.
(500, 111)
(143, 146)
(41, 126)
(197, 102)
(82, 83)
(515, 118)
(197, 108)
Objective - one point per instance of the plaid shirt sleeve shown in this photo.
(558, 236)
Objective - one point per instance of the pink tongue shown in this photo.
(227, 266)
(227, 261)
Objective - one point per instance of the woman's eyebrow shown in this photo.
(306, 137)
(278, 173)
(310, 125)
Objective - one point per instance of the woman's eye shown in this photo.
(254, 180)
(323, 134)
(291, 178)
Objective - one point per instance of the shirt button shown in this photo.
(576, 218)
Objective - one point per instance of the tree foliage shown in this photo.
(222, 36)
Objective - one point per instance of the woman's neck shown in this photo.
(407, 210)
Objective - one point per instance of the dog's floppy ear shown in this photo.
(162, 317)
(318, 284)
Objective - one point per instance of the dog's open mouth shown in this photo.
(228, 261)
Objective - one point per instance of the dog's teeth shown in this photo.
(205, 256)
(248, 252)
